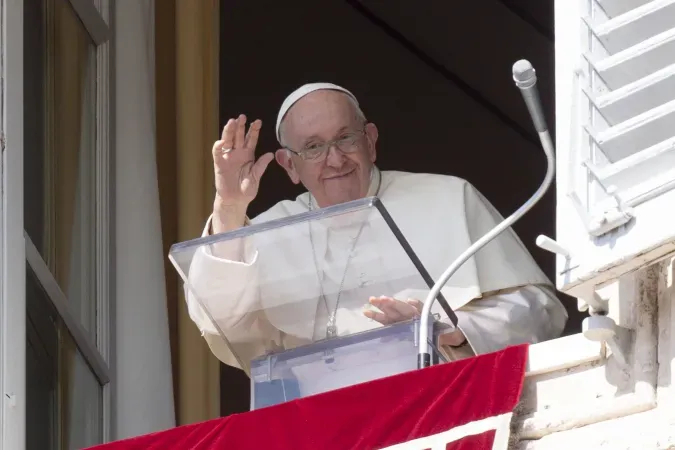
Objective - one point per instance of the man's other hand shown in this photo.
(393, 310)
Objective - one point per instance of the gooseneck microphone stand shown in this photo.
(525, 78)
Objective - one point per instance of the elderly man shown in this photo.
(500, 296)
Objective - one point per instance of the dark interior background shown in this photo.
(434, 76)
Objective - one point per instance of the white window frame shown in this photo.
(104, 205)
(12, 265)
(15, 247)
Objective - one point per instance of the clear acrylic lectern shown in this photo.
(285, 299)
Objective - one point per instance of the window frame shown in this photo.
(16, 249)
(12, 266)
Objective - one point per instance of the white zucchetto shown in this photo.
(301, 92)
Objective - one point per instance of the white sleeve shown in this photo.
(224, 293)
(221, 291)
(529, 314)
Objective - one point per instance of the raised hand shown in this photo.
(237, 173)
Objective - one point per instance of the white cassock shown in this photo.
(500, 295)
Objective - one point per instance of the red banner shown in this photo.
(461, 405)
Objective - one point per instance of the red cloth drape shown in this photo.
(367, 416)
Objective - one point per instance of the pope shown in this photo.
(500, 296)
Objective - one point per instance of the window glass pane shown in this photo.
(64, 398)
(60, 133)
(41, 369)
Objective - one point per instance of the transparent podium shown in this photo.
(286, 300)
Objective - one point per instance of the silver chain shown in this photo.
(331, 326)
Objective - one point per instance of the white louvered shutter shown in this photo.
(615, 137)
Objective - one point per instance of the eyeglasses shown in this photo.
(316, 152)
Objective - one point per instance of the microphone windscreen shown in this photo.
(524, 74)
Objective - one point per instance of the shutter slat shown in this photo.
(662, 153)
(638, 133)
(638, 61)
(636, 25)
(637, 97)
(640, 169)
(614, 8)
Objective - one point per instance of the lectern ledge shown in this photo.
(287, 297)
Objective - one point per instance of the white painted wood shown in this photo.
(638, 61)
(614, 8)
(615, 119)
(104, 215)
(636, 25)
(646, 166)
(638, 133)
(637, 97)
(12, 257)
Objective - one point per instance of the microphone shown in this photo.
(525, 77)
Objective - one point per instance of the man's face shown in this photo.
(339, 148)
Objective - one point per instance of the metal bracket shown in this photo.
(610, 219)
(613, 217)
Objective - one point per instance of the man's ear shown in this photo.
(372, 135)
(284, 159)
